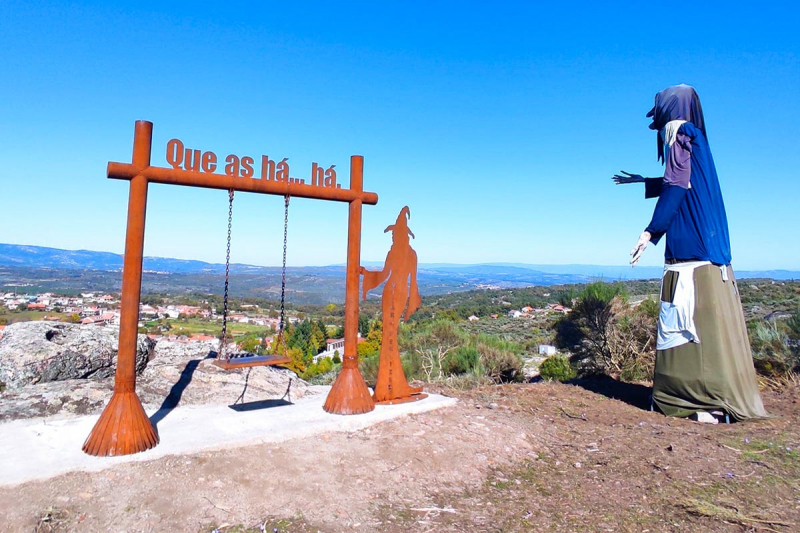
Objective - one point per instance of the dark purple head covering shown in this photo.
(679, 102)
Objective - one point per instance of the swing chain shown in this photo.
(224, 340)
(283, 271)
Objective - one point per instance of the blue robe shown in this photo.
(690, 210)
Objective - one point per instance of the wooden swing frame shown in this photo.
(123, 427)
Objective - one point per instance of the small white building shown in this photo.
(547, 350)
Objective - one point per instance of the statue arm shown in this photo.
(372, 279)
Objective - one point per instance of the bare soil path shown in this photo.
(535, 457)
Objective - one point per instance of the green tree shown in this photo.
(251, 345)
(363, 325)
(298, 364)
(316, 341)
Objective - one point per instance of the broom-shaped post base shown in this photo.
(122, 429)
(349, 394)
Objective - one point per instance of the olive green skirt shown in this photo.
(718, 372)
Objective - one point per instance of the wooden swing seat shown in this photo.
(248, 360)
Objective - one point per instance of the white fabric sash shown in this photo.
(676, 319)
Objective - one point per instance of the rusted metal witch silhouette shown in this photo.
(123, 427)
(400, 299)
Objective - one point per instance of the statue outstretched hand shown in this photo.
(619, 179)
(640, 247)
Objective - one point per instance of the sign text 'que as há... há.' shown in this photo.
(182, 158)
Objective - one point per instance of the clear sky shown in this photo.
(499, 124)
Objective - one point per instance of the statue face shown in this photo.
(400, 237)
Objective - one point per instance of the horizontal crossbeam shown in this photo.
(126, 171)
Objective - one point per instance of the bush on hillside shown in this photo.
(607, 336)
(557, 368)
(773, 354)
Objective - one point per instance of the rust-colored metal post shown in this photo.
(123, 427)
(349, 394)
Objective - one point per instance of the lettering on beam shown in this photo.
(182, 158)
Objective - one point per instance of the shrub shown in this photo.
(499, 359)
(557, 368)
(432, 345)
(793, 325)
(609, 337)
(369, 367)
(462, 360)
(326, 378)
(412, 365)
(464, 382)
(772, 355)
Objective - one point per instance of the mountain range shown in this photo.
(55, 269)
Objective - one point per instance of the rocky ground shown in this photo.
(541, 456)
(579, 457)
(37, 360)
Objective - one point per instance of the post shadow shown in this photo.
(176, 392)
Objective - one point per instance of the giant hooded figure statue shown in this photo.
(703, 359)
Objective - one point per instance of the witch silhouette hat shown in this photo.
(401, 224)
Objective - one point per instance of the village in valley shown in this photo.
(174, 322)
(185, 323)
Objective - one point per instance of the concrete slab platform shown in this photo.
(41, 448)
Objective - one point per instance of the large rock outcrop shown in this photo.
(178, 374)
(41, 352)
(186, 371)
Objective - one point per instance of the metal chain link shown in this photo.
(224, 340)
(283, 272)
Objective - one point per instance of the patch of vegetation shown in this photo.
(55, 519)
(609, 336)
(439, 349)
(268, 525)
(557, 368)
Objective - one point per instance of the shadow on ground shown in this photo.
(631, 393)
(176, 392)
(259, 404)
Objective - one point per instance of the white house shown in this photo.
(547, 350)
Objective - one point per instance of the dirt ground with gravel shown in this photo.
(585, 456)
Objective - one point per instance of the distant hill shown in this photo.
(640, 272)
(41, 268)
(42, 257)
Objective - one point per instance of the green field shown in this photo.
(9, 317)
(195, 326)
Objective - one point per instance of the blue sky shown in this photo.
(499, 124)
